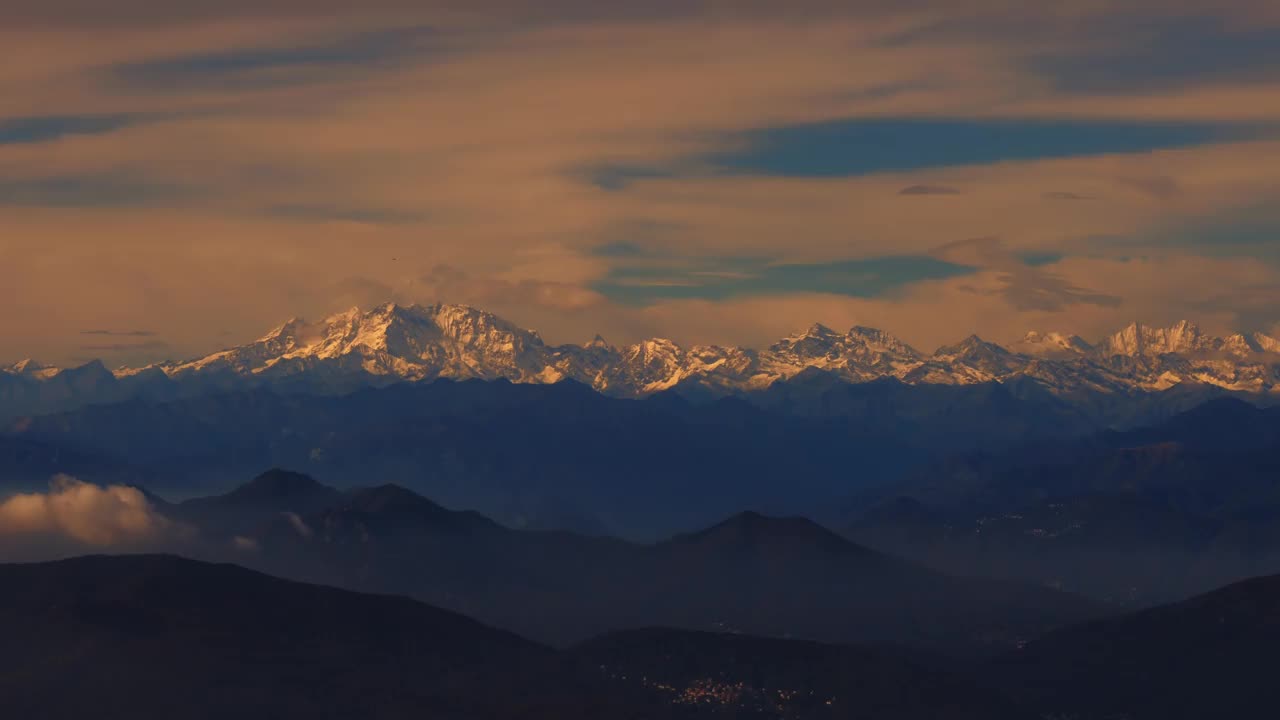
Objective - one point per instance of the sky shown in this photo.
(179, 176)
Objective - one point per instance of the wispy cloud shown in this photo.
(95, 190)
(929, 190)
(119, 333)
(266, 66)
(1169, 52)
(610, 167)
(51, 127)
(124, 347)
(1023, 283)
(337, 213)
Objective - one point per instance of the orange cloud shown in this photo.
(87, 514)
(471, 157)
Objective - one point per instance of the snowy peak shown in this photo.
(648, 366)
(24, 366)
(986, 360)
(286, 335)
(818, 330)
(1185, 339)
(29, 368)
(1138, 340)
(1250, 346)
(861, 353)
(1266, 343)
(396, 343)
(880, 341)
(469, 326)
(1052, 345)
(971, 348)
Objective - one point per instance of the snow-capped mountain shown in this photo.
(1139, 340)
(861, 354)
(31, 368)
(1052, 345)
(394, 343)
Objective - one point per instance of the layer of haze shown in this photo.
(181, 176)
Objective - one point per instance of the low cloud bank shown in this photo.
(76, 511)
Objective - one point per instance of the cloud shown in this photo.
(119, 333)
(53, 127)
(1061, 195)
(298, 524)
(291, 162)
(929, 190)
(1024, 285)
(1161, 187)
(1169, 52)
(352, 215)
(89, 190)
(447, 283)
(125, 347)
(273, 65)
(85, 514)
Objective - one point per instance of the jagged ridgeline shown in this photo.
(394, 343)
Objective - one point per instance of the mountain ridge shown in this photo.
(412, 343)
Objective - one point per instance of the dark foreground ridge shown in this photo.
(164, 637)
(1212, 656)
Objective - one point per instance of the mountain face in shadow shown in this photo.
(548, 456)
(1210, 656)
(750, 573)
(256, 503)
(791, 577)
(27, 465)
(1132, 518)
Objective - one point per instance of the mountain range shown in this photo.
(564, 456)
(1130, 518)
(395, 343)
(750, 572)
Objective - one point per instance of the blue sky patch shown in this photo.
(44, 128)
(845, 148)
(271, 65)
(856, 147)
